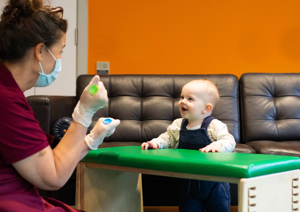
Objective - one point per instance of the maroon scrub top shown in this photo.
(20, 137)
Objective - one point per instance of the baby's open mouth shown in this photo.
(184, 109)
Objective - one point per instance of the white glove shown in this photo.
(100, 131)
(89, 104)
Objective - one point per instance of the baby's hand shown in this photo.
(210, 148)
(150, 145)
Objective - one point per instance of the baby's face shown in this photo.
(192, 101)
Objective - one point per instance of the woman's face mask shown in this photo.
(46, 79)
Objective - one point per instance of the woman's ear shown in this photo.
(38, 51)
(208, 108)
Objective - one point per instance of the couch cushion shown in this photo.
(270, 106)
(291, 148)
(147, 104)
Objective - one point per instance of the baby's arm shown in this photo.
(224, 141)
(166, 139)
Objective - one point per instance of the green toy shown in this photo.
(93, 89)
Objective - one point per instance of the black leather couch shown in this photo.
(267, 123)
(270, 105)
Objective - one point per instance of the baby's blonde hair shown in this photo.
(212, 91)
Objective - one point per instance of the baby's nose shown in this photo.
(183, 101)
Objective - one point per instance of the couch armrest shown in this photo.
(48, 109)
(243, 148)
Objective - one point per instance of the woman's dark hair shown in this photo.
(26, 23)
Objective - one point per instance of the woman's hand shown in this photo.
(100, 131)
(96, 101)
(89, 104)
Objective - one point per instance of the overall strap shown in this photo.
(206, 122)
(184, 123)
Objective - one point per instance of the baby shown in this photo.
(197, 129)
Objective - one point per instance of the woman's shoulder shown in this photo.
(12, 99)
(6, 90)
(8, 94)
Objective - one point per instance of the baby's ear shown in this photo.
(208, 108)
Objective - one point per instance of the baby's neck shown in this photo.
(195, 122)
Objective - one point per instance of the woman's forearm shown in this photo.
(70, 150)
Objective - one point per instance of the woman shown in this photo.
(32, 39)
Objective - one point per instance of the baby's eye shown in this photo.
(181, 97)
(191, 99)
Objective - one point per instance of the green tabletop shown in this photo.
(239, 165)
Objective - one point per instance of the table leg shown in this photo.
(270, 193)
(103, 190)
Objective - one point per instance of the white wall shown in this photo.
(82, 47)
(66, 81)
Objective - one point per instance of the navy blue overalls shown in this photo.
(200, 195)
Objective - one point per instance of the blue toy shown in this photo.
(107, 121)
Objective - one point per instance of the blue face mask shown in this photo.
(46, 79)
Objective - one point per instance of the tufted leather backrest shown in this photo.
(270, 106)
(147, 104)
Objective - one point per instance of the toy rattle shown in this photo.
(93, 89)
(107, 121)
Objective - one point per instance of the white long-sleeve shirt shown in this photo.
(217, 132)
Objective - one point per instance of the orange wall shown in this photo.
(194, 36)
